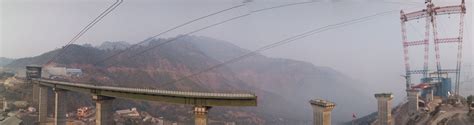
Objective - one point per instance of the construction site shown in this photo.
(435, 79)
(433, 89)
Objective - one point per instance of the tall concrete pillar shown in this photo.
(34, 72)
(43, 105)
(384, 102)
(413, 95)
(103, 110)
(60, 107)
(200, 115)
(35, 93)
(322, 111)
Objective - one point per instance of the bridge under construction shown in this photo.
(104, 96)
(434, 82)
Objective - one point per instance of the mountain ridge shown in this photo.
(276, 81)
(5, 61)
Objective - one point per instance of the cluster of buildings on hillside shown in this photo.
(61, 72)
(12, 112)
(121, 117)
(132, 115)
(125, 117)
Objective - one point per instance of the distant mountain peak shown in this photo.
(108, 45)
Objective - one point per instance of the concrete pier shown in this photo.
(200, 115)
(60, 108)
(103, 110)
(35, 94)
(384, 114)
(42, 105)
(322, 111)
(34, 72)
(413, 95)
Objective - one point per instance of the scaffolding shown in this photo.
(430, 14)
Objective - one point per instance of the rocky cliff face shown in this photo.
(283, 86)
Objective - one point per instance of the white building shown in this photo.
(74, 72)
(52, 72)
(128, 113)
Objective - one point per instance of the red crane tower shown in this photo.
(430, 14)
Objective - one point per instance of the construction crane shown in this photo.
(430, 15)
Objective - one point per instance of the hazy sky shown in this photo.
(370, 51)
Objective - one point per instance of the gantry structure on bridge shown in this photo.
(104, 96)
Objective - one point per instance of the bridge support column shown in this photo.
(384, 102)
(322, 111)
(200, 115)
(103, 110)
(60, 109)
(413, 95)
(34, 72)
(35, 93)
(42, 105)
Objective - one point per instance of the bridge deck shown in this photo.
(168, 96)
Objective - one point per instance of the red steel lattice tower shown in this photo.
(430, 14)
